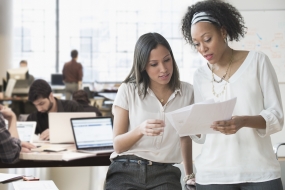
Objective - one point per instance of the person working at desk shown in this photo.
(81, 97)
(10, 144)
(40, 94)
(24, 64)
(72, 74)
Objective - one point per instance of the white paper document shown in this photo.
(198, 118)
(35, 185)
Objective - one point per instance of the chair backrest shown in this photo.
(23, 117)
(88, 92)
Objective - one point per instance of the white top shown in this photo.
(246, 156)
(165, 148)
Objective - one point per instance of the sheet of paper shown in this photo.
(51, 148)
(9, 177)
(185, 111)
(35, 185)
(197, 118)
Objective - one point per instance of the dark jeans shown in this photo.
(267, 185)
(133, 176)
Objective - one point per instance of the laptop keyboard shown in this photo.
(99, 148)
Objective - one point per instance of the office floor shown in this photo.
(68, 178)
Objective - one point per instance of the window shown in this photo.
(104, 33)
(34, 36)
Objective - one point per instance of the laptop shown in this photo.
(60, 128)
(26, 130)
(93, 135)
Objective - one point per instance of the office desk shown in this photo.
(57, 159)
(16, 98)
(108, 95)
(98, 160)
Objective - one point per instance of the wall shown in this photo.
(5, 36)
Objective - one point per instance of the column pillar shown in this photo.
(6, 30)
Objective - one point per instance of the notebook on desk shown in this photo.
(59, 125)
(93, 135)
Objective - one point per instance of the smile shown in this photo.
(164, 76)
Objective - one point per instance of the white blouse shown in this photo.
(246, 156)
(164, 148)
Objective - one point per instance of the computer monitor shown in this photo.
(21, 85)
(56, 79)
(18, 74)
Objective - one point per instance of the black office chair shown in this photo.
(88, 92)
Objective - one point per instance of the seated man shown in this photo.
(23, 64)
(10, 145)
(81, 97)
(40, 94)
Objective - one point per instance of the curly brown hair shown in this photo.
(227, 15)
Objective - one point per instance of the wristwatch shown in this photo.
(187, 177)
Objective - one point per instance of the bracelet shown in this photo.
(187, 177)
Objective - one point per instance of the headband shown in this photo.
(203, 17)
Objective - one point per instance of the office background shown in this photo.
(105, 31)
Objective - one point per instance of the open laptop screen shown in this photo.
(26, 130)
(92, 132)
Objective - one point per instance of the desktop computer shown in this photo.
(17, 82)
(57, 80)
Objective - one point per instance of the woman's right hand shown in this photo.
(152, 127)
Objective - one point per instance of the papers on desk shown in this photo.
(69, 154)
(50, 148)
(35, 185)
(5, 178)
(198, 118)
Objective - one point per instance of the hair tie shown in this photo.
(203, 17)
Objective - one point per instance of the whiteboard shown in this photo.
(266, 33)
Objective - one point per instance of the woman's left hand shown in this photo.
(229, 127)
(191, 181)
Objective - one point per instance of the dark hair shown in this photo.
(39, 89)
(23, 61)
(227, 15)
(145, 44)
(74, 54)
(80, 96)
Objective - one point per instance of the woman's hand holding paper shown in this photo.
(229, 127)
(152, 127)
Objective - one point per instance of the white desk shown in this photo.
(68, 158)
(108, 95)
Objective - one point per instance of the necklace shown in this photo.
(224, 76)
(161, 100)
(225, 86)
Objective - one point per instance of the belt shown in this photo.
(142, 162)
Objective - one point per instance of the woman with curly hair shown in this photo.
(240, 156)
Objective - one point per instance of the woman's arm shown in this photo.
(186, 148)
(12, 120)
(270, 120)
(237, 122)
(124, 139)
